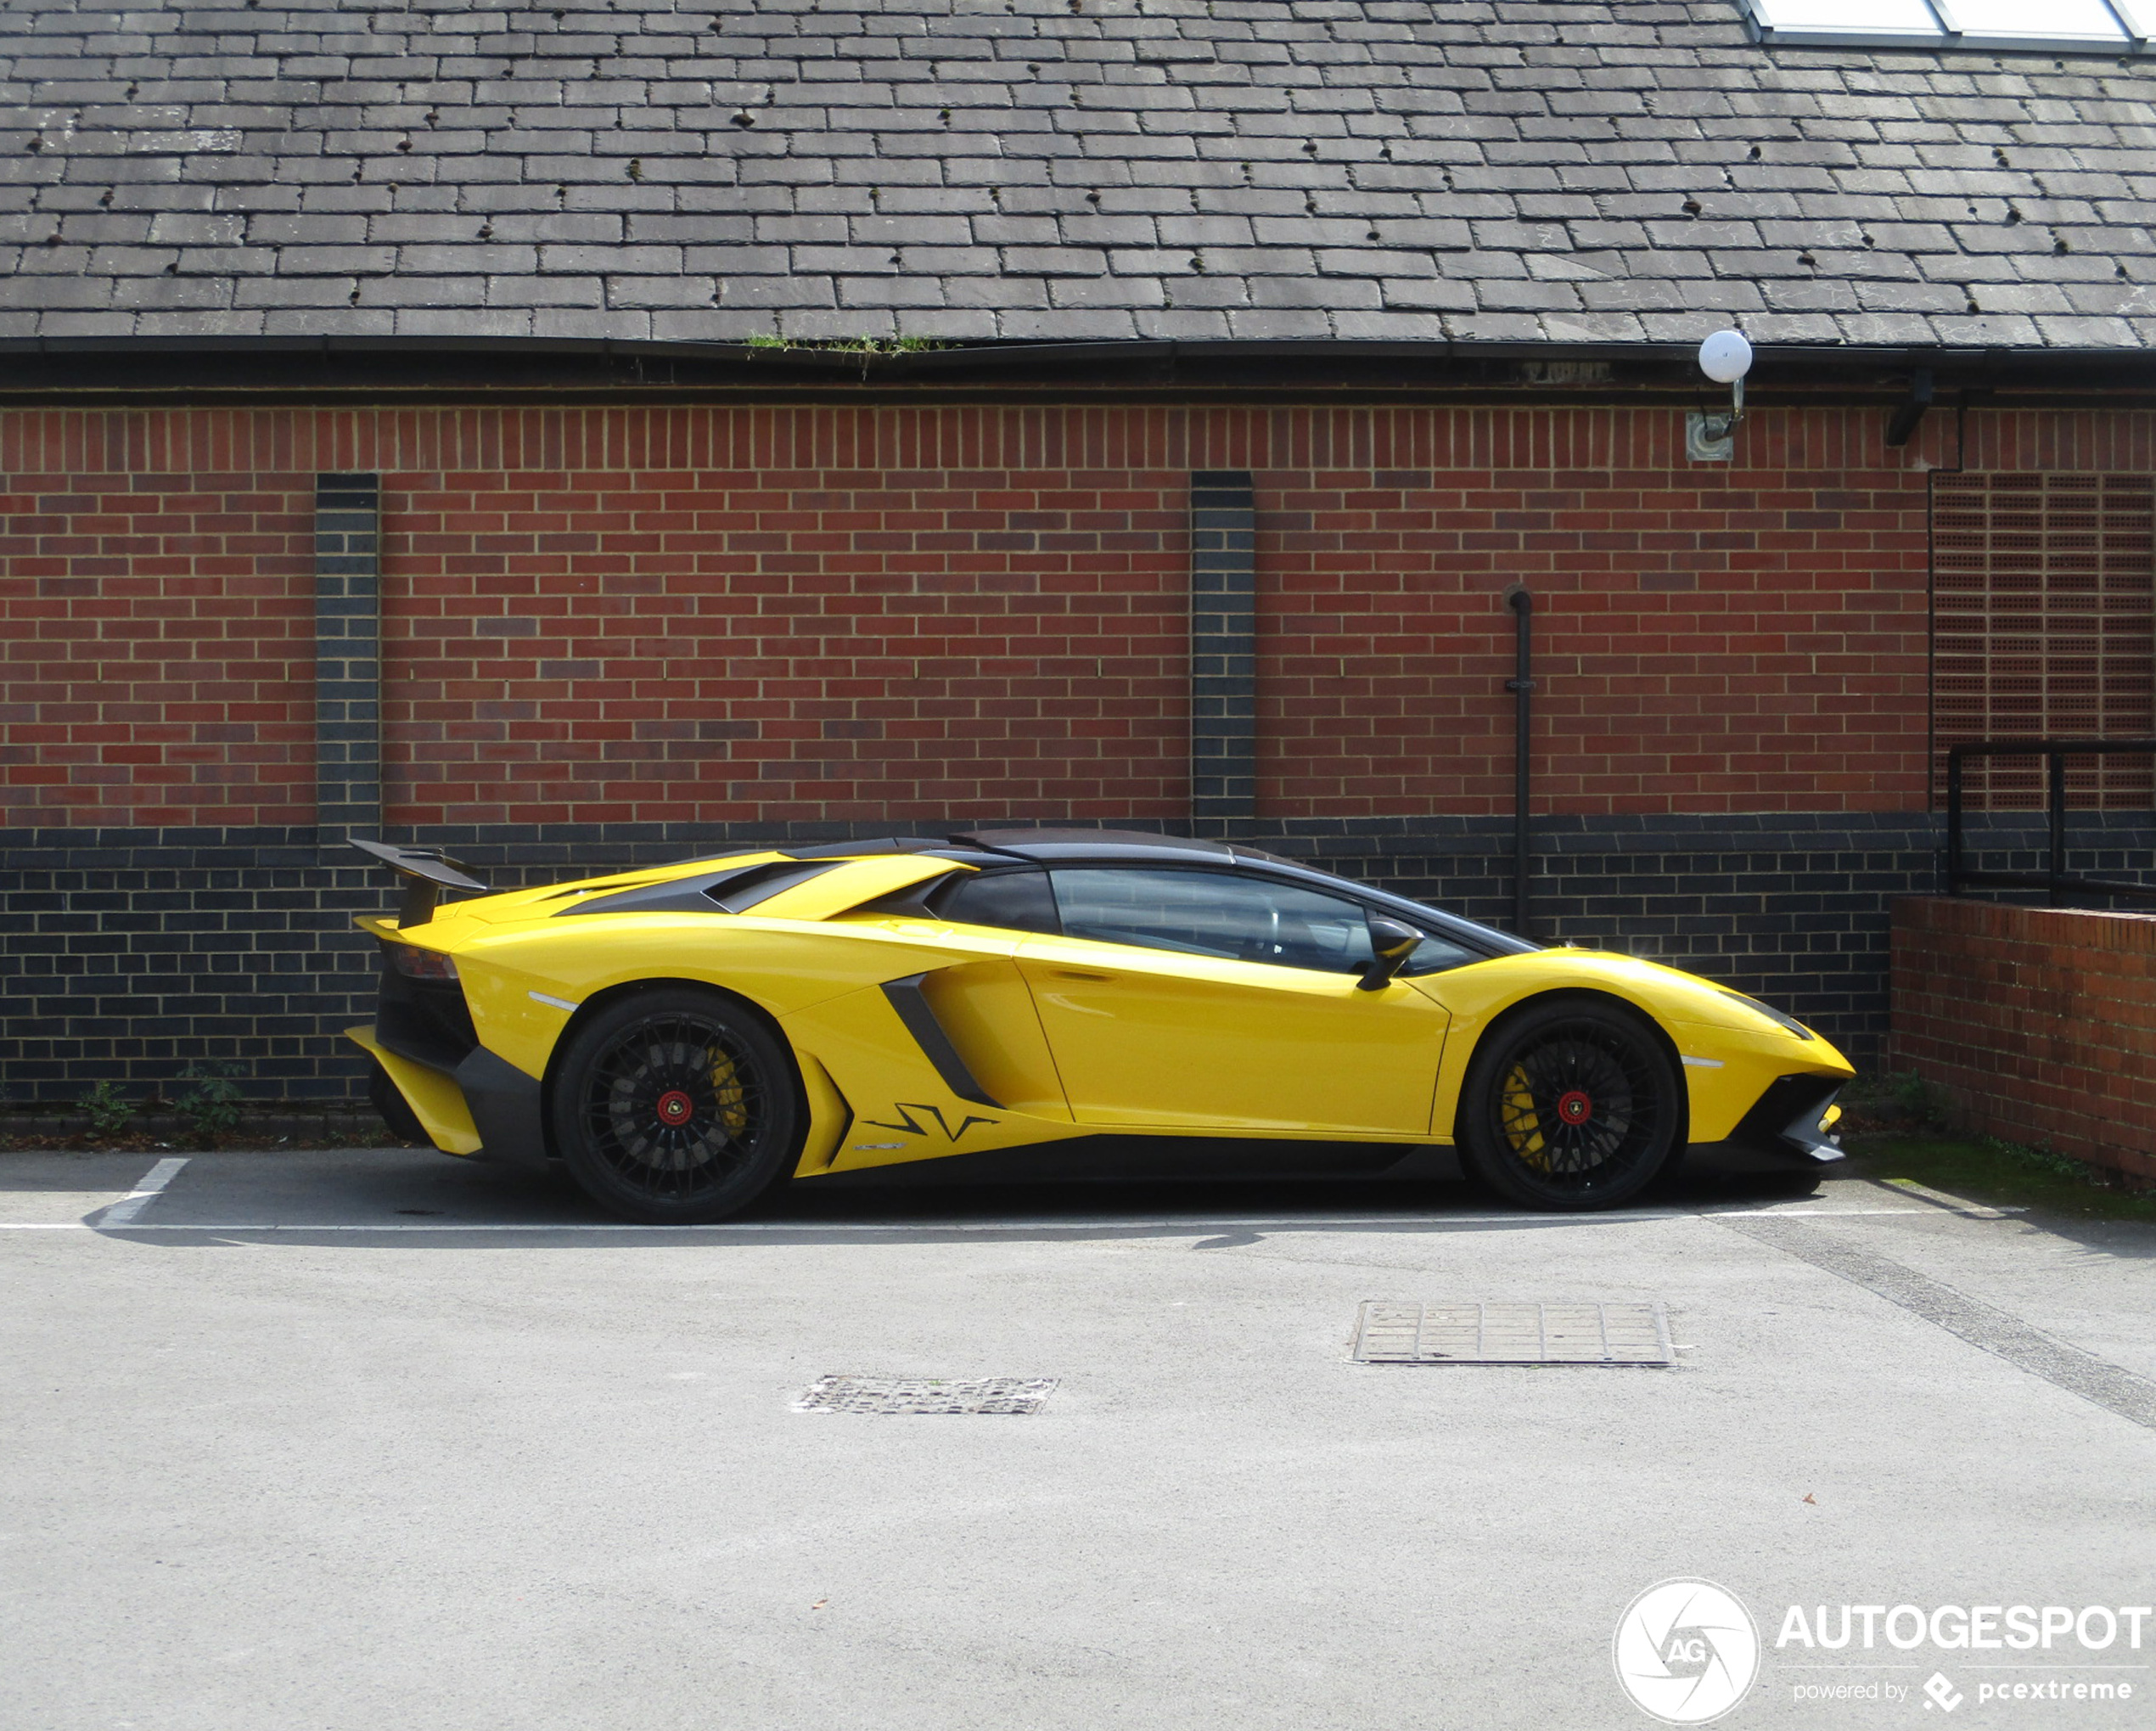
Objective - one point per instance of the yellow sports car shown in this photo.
(1052, 1002)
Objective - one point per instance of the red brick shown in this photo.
(1006, 585)
(2036, 1021)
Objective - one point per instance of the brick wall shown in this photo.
(126, 953)
(2039, 1023)
(723, 614)
(613, 635)
(156, 626)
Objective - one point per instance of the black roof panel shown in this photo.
(854, 850)
(1074, 844)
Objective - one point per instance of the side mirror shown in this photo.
(1393, 942)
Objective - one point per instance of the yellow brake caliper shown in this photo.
(732, 1097)
(1523, 1124)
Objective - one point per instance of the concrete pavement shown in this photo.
(373, 1437)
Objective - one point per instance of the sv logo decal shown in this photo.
(912, 1126)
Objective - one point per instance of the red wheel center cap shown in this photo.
(1575, 1107)
(674, 1109)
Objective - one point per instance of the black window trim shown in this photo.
(940, 890)
(1485, 943)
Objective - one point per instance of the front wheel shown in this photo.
(675, 1108)
(1573, 1105)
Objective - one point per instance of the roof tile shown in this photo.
(1616, 170)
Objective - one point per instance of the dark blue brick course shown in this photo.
(128, 953)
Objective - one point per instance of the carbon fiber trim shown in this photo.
(911, 1005)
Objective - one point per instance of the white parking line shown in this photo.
(152, 1182)
(1957, 1205)
(1203, 1227)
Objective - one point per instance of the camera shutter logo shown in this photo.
(1686, 1651)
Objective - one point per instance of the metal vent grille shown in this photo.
(1390, 1333)
(925, 1394)
(2044, 627)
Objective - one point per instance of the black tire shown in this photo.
(1574, 1104)
(677, 1107)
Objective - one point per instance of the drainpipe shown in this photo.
(1522, 686)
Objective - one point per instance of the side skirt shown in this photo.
(1136, 1158)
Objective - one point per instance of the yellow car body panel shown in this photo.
(1043, 1038)
(988, 1012)
(903, 1110)
(782, 966)
(829, 1119)
(435, 1100)
(1150, 1039)
(1742, 1056)
(519, 1014)
(1726, 1070)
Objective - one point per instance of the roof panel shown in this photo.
(2078, 26)
(2017, 24)
(1855, 22)
(728, 170)
(1077, 844)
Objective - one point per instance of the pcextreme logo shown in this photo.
(1686, 1651)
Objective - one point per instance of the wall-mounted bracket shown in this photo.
(1707, 438)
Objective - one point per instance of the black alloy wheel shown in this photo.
(677, 1107)
(1573, 1105)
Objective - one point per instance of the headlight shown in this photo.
(416, 964)
(1780, 1018)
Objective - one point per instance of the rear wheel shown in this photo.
(677, 1107)
(1573, 1105)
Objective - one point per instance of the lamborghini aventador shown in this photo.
(1054, 1002)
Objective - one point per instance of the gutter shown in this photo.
(809, 357)
(1328, 368)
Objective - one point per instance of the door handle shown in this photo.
(1079, 974)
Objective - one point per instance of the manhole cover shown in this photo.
(925, 1394)
(1512, 1334)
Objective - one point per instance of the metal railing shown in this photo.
(2055, 880)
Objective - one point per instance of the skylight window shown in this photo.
(2077, 27)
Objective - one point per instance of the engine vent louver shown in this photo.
(709, 892)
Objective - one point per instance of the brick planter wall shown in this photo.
(2039, 1023)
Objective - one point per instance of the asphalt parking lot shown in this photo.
(373, 1437)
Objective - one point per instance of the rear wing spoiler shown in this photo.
(425, 873)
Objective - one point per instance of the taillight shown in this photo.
(416, 964)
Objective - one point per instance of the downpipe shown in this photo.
(1522, 686)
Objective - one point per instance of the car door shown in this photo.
(1226, 999)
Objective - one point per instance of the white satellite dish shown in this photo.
(1726, 356)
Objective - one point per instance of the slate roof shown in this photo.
(712, 171)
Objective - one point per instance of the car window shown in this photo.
(1015, 901)
(1434, 955)
(1211, 913)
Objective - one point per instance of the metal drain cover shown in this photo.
(1512, 1334)
(925, 1394)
